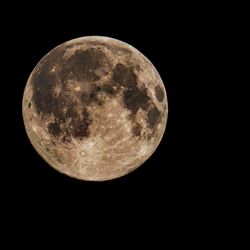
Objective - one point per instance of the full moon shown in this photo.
(95, 108)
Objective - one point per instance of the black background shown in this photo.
(169, 192)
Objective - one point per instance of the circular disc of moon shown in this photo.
(95, 108)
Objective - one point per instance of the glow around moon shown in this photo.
(95, 108)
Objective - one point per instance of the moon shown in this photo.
(95, 108)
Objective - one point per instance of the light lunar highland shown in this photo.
(95, 108)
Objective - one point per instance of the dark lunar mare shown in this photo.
(154, 116)
(78, 67)
(135, 98)
(81, 65)
(159, 93)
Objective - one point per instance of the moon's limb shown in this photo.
(95, 108)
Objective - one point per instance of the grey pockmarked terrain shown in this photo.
(95, 108)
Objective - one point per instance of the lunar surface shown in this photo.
(95, 108)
